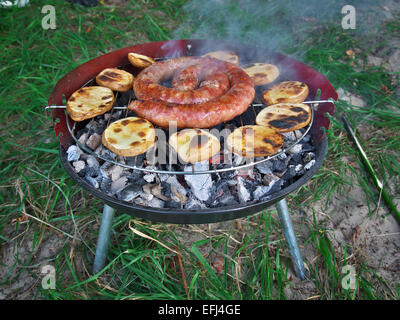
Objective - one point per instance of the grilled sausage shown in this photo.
(225, 91)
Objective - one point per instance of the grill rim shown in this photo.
(198, 216)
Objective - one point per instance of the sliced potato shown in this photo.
(115, 79)
(139, 60)
(194, 145)
(129, 137)
(286, 92)
(285, 117)
(228, 56)
(262, 73)
(89, 102)
(254, 141)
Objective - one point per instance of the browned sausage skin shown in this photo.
(225, 91)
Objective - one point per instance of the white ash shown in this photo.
(149, 177)
(261, 191)
(200, 184)
(243, 194)
(296, 149)
(194, 204)
(79, 165)
(92, 162)
(309, 165)
(115, 172)
(119, 185)
(73, 153)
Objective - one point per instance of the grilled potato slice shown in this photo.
(285, 92)
(262, 73)
(194, 145)
(115, 79)
(228, 56)
(285, 117)
(129, 137)
(254, 141)
(89, 102)
(139, 60)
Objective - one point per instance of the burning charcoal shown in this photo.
(227, 199)
(264, 167)
(290, 173)
(194, 204)
(105, 184)
(108, 154)
(93, 141)
(94, 126)
(92, 162)
(270, 179)
(278, 165)
(155, 190)
(118, 185)
(295, 159)
(107, 116)
(308, 156)
(136, 177)
(200, 184)
(299, 169)
(131, 192)
(92, 181)
(155, 203)
(82, 139)
(173, 182)
(73, 153)
(282, 156)
(243, 194)
(115, 172)
(149, 177)
(166, 190)
(91, 172)
(308, 147)
(309, 165)
(292, 135)
(79, 165)
(105, 169)
(261, 192)
(172, 204)
(178, 196)
(295, 149)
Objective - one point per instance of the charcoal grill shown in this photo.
(292, 70)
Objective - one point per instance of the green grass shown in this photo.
(254, 256)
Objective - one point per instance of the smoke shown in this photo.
(272, 24)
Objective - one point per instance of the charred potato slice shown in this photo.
(139, 60)
(254, 141)
(262, 73)
(194, 145)
(228, 56)
(285, 117)
(129, 137)
(115, 79)
(89, 102)
(285, 92)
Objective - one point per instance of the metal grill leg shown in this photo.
(290, 236)
(104, 238)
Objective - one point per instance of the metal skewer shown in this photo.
(253, 104)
